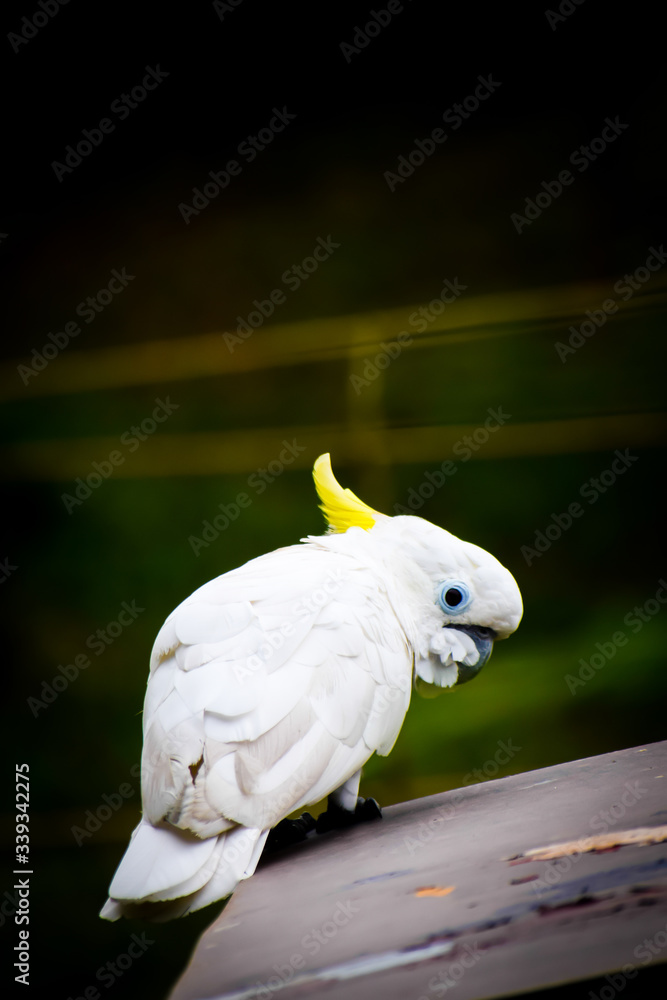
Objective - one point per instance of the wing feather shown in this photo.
(221, 687)
(206, 621)
(282, 691)
(342, 695)
(270, 687)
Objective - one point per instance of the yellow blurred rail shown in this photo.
(231, 452)
(467, 319)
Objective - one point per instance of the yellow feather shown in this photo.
(341, 508)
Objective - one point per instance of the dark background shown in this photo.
(67, 574)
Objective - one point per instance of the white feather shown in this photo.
(157, 858)
(199, 622)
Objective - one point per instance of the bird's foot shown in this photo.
(336, 818)
(288, 832)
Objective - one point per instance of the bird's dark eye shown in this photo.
(453, 596)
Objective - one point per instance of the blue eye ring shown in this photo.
(454, 596)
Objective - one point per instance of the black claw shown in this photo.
(288, 832)
(367, 809)
(333, 818)
(337, 818)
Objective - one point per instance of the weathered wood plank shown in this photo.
(440, 893)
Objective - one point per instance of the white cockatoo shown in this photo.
(272, 685)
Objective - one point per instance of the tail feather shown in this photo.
(157, 858)
(167, 872)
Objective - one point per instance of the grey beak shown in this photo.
(483, 639)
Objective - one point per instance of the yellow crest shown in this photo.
(342, 508)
